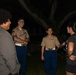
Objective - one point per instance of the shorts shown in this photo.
(71, 68)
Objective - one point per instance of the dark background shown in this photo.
(35, 30)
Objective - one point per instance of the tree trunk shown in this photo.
(53, 9)
(34, 15)
(65, 18)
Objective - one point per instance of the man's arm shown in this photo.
(42, 52)
(15, 37)
(57, 42)
(27, 38)
(9, 54)
(70, 51)
(19, 39)
(70, 48)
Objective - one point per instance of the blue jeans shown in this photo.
(50, 61)
(22, 56)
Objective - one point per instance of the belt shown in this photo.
(50, 49)
(17, 44)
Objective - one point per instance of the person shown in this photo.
(21, 39)
(9, 64)
(71, 50)
(49, 52)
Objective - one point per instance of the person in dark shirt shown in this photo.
(71, 50)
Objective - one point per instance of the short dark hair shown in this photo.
(4, 16)
(48, 28)
(72, 25)
(20, 19)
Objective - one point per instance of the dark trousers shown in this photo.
(50, 61)
(22, 56)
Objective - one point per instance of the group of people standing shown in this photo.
(13, 48)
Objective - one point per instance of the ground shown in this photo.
(36, 67)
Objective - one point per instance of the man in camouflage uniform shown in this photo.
(49, 51)
(21, 39)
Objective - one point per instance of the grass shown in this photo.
(36, 67)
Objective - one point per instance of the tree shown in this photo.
(51, 21)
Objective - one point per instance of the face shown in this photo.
(6, 25)
(49, 31)
(21, 23)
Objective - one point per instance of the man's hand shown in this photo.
(63, 43)
(24, 39)
(42, 57)
(72, 57)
